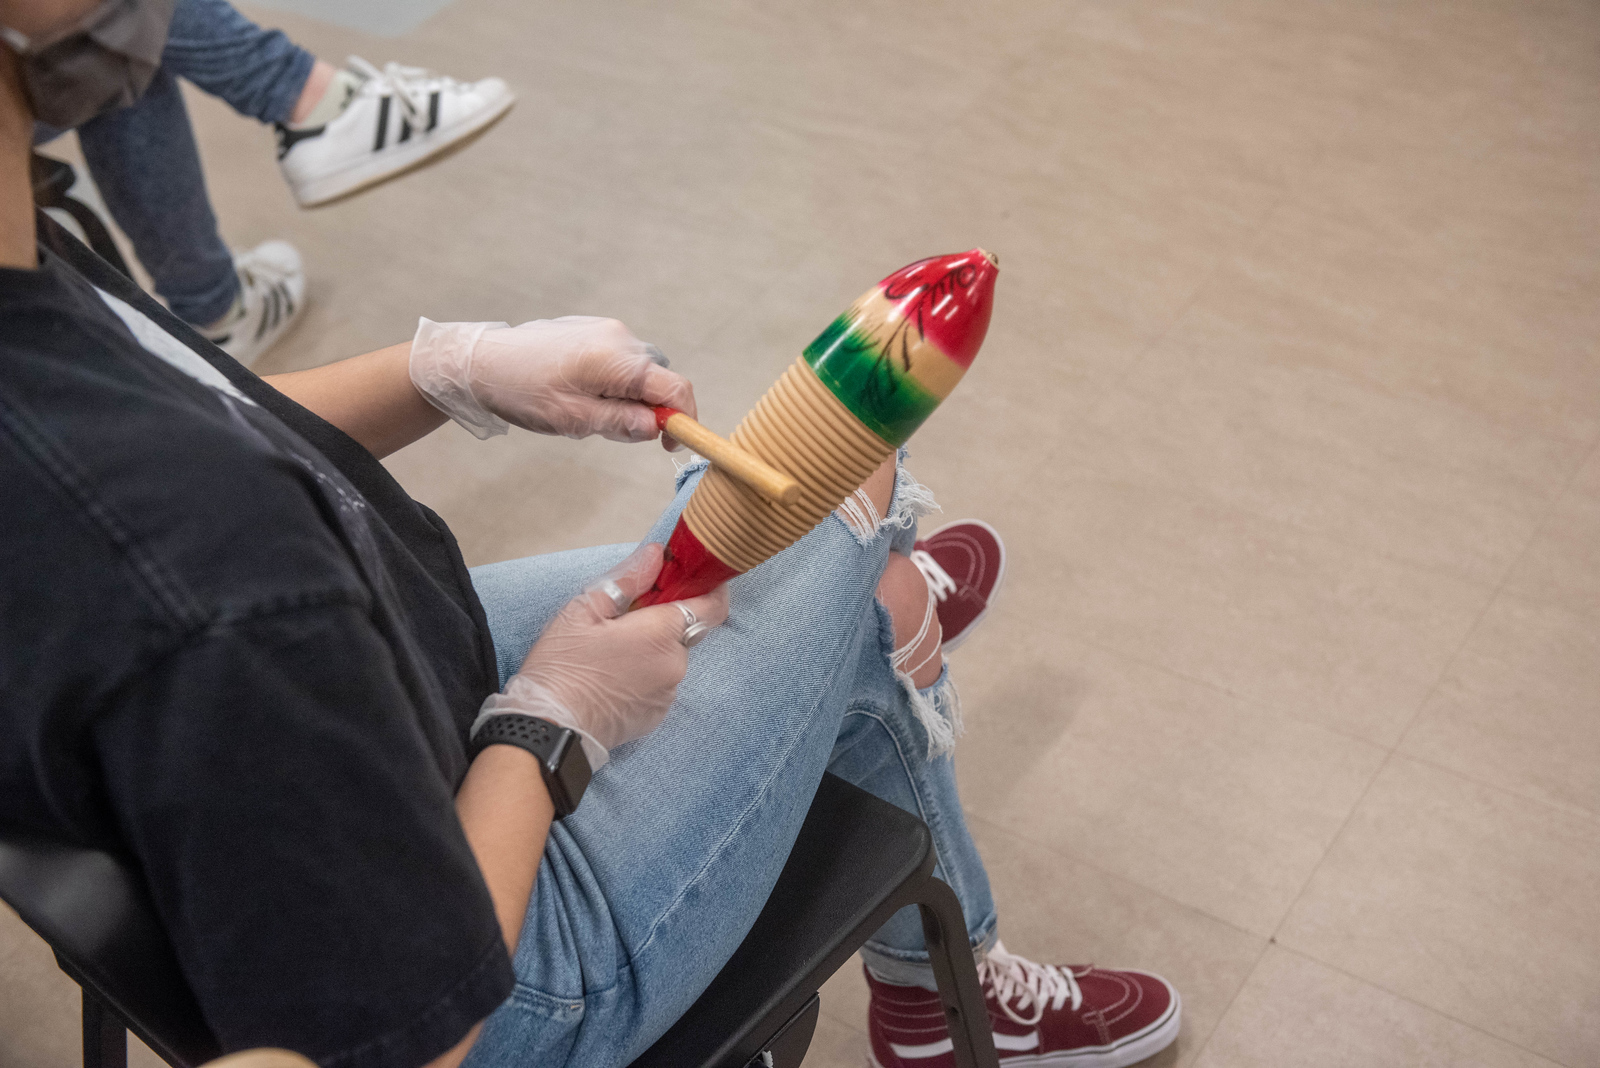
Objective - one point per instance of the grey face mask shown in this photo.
(103, 61)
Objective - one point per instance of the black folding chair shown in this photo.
(52, 180)
(857, 861)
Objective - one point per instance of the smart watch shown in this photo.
(559, 751)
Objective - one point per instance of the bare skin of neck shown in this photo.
(18, 240)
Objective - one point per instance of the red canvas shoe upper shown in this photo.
(964, 563)
(1081, 1016)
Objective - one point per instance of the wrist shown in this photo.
(558, 751)
(441, 370)
(525, 696)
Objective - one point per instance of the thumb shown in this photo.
(613, 592)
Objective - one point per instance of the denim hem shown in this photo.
(208, 308)
(286, 90)
(904, 967)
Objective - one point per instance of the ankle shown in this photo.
(326, 94)
(918, 639)
(315, 89)
(903, 973)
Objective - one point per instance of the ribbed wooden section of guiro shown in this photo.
(858, 391)
(805, 431)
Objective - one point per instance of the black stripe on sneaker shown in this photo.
(268, 307)
(405, 131)
(433, 110)
(383, 124)
(288, 138)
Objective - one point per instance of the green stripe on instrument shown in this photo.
(887, 400)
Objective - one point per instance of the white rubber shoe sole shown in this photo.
(396, 161)
(1130, 1051)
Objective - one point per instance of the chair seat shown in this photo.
(94, 911)
(851, 864)
(856, 861)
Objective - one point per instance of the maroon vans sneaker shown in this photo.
(963, 563)
(1041, 1015)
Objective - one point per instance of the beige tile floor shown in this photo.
(1289, 414)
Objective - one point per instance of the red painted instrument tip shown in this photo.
(688, 569)
(663, 413)
(950, 297)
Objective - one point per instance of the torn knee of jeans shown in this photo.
(686, 469)
(910, 501)
(937, 709)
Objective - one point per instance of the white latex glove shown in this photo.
(573, 376)
(603, 671)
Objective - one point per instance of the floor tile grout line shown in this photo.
(1266, 942)
(1333, 840)
(1388, 759)
(1504, 792)
(1117, 381)
(1093, 865)
(1499, 591)
(1195, 680)
(1557, 499)
(1233, 999)
(1230, 508)
(1285, 195)
(1547, 601)
(1254, 236)
(1394, 750)
(1555, 502)
(1247, 511)
(838, 1018)
(1419, 1004)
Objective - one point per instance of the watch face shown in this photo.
(562, 762)
(567, 772)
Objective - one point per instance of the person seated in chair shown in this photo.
(234, 651)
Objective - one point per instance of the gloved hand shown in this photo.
(603, 671)
(573, 376)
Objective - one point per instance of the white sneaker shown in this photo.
(399, 118)
(272, 294)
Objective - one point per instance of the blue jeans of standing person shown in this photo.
(648, 888)
(146, 163)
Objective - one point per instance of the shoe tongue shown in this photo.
(341, 90)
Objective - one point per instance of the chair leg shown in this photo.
(105, 1038)
(944, 928)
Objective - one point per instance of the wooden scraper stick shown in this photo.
(748, 468)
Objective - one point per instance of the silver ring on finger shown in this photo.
(693, 629)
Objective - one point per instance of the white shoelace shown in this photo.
(939, 580)
(1019, 979)
(410, 85)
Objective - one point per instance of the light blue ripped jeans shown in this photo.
(649, 887)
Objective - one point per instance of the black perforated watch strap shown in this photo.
(558, 749)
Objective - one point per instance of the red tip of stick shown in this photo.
(663, 413)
